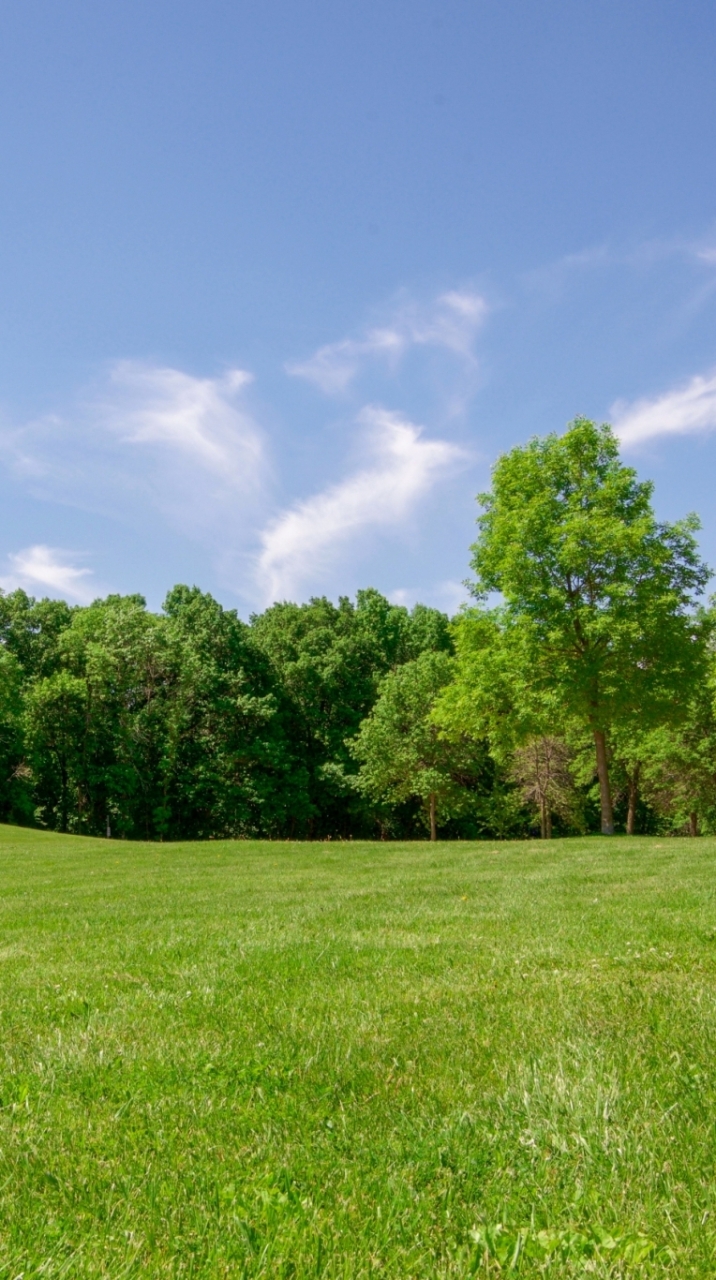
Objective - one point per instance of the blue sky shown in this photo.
(279, 281)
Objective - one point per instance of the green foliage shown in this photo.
(402, 753)
(494, 694)
(599, 589)
(330, 661)
(228, 766)
(190, 723)
(678, 766)
(16, 800)
(343, 720)
(500, 1250)
(31, 629)
(56, 721)
(597, 614)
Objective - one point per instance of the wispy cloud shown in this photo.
(450, 322)
(48, 569)
(684, 409)
(146, 437)
(193, 418)
(150, 444)
(403, 467)
(555, 278)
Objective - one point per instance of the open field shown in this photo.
(233, 1059)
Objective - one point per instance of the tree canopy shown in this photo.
(402, 753)
(586, 655)
(597, 612)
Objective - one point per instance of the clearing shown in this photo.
(348, 1060)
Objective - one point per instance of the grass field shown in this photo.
(234, 1059)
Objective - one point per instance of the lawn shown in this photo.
(293, 1060)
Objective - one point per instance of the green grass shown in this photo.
(237, 1059)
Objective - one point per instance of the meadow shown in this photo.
(354, 1060)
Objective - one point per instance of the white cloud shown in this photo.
(450, 322)
(194, 418)
(403, 467)
(150, 445)
(691, 407)
(334, 367)
(48, 568)
(554, 277)
(150, 437)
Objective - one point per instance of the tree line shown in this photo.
(576, 693)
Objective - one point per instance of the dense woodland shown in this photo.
(582, 700)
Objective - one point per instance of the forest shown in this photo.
(574, 694)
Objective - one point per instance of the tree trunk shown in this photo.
(543, 818)
(605, 795)
(548, 823)
(433, 821)
(633, 797)
(693, 824)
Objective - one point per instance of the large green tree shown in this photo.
(31, 630)
(188, 722)
(58, 750)
(329, 660)
(403, 754)
(597, 595)
(230, 765)
(16, 801)
(678, 766)
(161, 725)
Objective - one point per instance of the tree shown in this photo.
(678, 766)
(540, 767)
(15, 776)
(330, 660)
(31, 631)
(160, 725)
(120, 652)
(630, 747)
(598, 596)
(492, 694)
(402, 752)
(114, 719)
(229, 767)
(55, 729)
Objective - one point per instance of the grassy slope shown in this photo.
(274, 1060)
